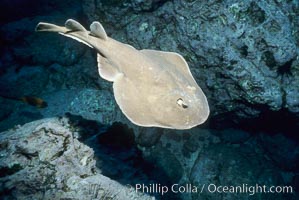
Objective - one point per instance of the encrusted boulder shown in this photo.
(224, 165)
(43, 160)
(91, 104)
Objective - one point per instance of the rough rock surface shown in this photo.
(43, 160)
(200, 156)
(282, 150)
(244, 54)
(231, 167)
(91, 104)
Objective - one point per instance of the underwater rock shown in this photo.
(13, 10)
(223, 165)
(244, 56)
(200, 156)
(282, 150)
(91, 104)
(27, 80)
(149, 136)
(233, 136)
(165, 161)
(19, 114)
(6, 109)
(290, 83)
(43, 160)
(146, 5)
(27, 46)
(172, 156)
(118, 136)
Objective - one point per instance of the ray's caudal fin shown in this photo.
(152, 88)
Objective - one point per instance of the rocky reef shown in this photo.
(243, 54)
(50, 159)
(45, 160)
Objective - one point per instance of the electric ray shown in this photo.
(152, 88)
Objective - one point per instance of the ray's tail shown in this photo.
(75, 30)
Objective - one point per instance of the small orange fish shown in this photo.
(30, 100)
(34, 101)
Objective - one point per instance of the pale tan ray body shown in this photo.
(152, 88)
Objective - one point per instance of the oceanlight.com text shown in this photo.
(249, 189)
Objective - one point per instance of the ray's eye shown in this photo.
(181, 103)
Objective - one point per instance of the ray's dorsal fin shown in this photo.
(97, 30)
(72, 29)
(74, 25)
